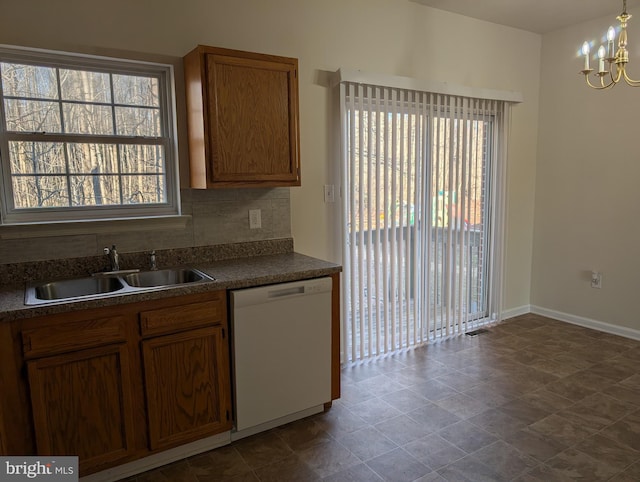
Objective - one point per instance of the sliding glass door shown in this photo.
(420, 176)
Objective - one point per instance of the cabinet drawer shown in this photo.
(74, 335)
(183, 317)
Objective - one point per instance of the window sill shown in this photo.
(43, 230)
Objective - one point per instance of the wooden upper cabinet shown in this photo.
(243, 119)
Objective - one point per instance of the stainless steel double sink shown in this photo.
(110, 284)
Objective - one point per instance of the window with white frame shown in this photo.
(84, 138)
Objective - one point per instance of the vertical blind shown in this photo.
(423, 177)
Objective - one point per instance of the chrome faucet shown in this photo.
(112, 254)
(152, 260)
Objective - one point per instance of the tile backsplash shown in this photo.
(217, 217)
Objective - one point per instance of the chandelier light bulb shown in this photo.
(601, 54)
(585, 52)
(611, 34)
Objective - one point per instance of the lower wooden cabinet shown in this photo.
(186, 379)
(115, 384)
(82, 405)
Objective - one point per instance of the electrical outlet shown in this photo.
(255, 218)
(596, 280)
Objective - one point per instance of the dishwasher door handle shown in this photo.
(279, 292)
(297, 290)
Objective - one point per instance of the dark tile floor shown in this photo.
(531, 400)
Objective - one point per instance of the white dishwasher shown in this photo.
(281, 348)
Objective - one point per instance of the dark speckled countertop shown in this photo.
(228, 274)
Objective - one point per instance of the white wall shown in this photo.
(587, 195)
(395, 37)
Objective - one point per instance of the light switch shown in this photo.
(329, 193)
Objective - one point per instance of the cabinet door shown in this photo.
(82, 405)
(188, 386)
(3, 435)
(253, 113)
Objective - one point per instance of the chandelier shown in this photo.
(617, 61)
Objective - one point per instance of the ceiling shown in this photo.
(538, 16)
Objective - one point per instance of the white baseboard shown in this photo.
(573, 319)
(513, 312)
(587, 322)
(159, 459)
